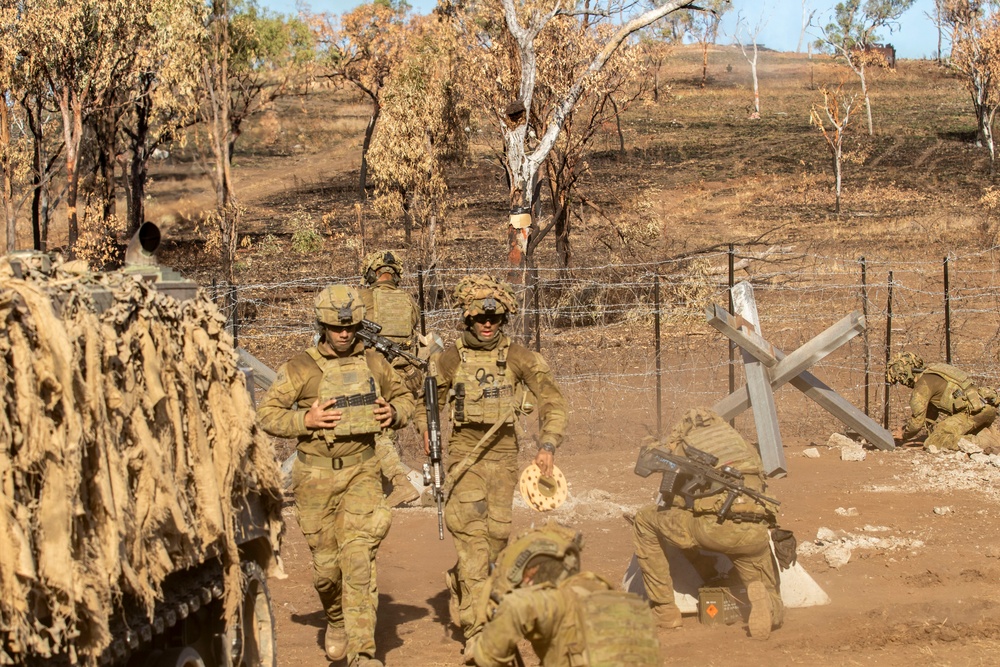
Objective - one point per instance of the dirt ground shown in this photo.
(920, 587)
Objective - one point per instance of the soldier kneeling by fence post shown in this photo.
(945, 401)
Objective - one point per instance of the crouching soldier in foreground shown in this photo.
(537, 592)
(945, 400)
(335, 398)
(698, 513)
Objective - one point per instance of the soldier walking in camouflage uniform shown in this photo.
(571, 618)
(483, 377)
(692, 523)
(945, 401)
(335, 398)
(399, 316)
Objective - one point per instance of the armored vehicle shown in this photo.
(140, 506)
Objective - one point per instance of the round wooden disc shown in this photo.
(543, 494)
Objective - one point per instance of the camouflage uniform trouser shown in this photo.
(344, 517)
(478, 515)
(946, 433)
(746, 544)
(387, 455)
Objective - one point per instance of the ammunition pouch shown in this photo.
(352, 401)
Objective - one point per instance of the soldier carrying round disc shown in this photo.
(484, 377)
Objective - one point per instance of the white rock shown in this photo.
(849, 511)
(995, 460)
(811, 453)
(969, 447)
(826, 535)
(840, 440)
(853, 453)
(942, 510)
(837, 556)
(932, 449)
(979, 457)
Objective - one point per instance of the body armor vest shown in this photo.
(482, 392)
(392, 313)
(350, 381)
(961, 394)
(720, 440)
(616, 627)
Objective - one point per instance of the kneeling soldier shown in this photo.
(715, 518)
(945, 400)
(571, 618)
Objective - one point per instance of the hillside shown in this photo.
(697, 173)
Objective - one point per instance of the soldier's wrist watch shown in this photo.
(547, 447)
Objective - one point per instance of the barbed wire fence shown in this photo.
(595, 327)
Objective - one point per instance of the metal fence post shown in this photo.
(656, 346)
(420, 295)
(947, 315)
(888, 351)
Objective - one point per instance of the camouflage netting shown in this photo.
(127, 438)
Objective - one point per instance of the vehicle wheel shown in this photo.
(256, 626)
(180, 657)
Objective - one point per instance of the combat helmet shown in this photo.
(902, 367)
(554, 549)
(375, 262)
(339, 306)
(479, 294)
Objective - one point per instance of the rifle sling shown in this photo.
(467, 461)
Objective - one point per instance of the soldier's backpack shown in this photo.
(617, 629)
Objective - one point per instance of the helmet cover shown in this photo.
(339, 306)
(901, 368)
(374, 262)
(554, 543)
(481, 294)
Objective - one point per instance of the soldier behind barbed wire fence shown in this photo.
(945, 401)
(694, 523)
(484, 378)
(399, 316)
(335, 398)
(537, 592)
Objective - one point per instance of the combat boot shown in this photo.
(759, 622)
(668, 616)
(365, 661)
(336, 643)
(402, 492)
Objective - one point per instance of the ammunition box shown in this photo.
(718, 606)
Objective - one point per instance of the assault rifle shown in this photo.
(368, 332)
(434, 470)
(695, 476)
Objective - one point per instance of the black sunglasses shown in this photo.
(483, 318)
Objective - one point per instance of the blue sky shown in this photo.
(916, 36)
